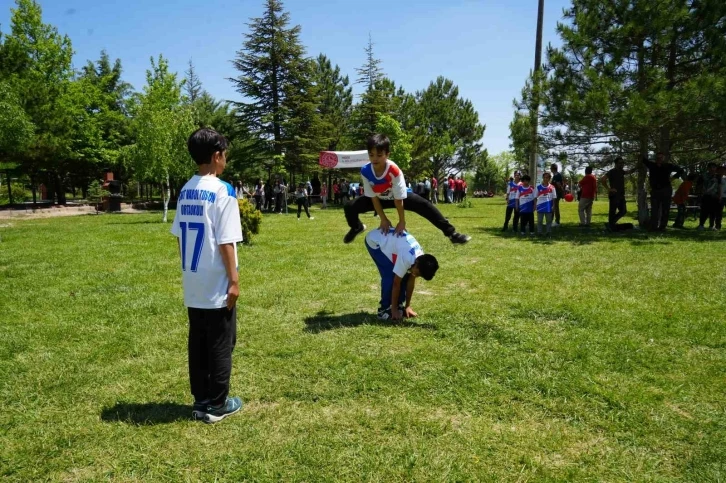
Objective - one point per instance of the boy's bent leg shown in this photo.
(353, 209)
(384, 266)
(222, 333)
(197, 353)
(424, 208)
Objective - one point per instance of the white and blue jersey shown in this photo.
(546, 196)
(207, 215)
(526, 197)
(401, 251)
(512, 194)
(389, 186)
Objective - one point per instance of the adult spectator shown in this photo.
(559, 190)
(336, 192)
(458, 186)
(434, 190)
(445, 192)
(710, 197)
(614, 183)
(661, 190)
(259, 195)
(588, 187)
(280, 191)
(427, 189)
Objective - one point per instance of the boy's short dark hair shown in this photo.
(379, 142)
(427, 266)
(203, 143)
(588, 170)
(526, 178)
(619, 159)
(554, 166)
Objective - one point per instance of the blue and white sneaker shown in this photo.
(199, 410)
(216, 414)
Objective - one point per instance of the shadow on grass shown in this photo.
(577, 235)
(147, 414)
(323, 321)
(126, 219)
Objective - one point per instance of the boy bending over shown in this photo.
(400, 260)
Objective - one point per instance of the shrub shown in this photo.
(20, 194)
(250, 218)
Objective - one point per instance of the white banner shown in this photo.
(343, 159)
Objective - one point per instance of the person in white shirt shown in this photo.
(207, 225)
(400, 260)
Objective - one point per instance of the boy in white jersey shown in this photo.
(207, 224)
(400, 260)
(385, 187)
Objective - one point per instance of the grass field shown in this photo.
(588, 357)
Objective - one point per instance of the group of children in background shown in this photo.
(524, 200)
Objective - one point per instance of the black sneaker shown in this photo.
(352, 233)
(199, 410)
(384, 314)
(216, 414)
(459, 238)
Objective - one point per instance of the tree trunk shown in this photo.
(642, 144)
(60, 189)
(10, 189)
(34, 190)
(666, 127)
(166, 194)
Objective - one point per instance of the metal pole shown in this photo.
(534, 113)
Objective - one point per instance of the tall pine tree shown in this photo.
(336, 102)
(272, 68)
(192, 86)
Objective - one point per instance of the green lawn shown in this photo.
(588, 357)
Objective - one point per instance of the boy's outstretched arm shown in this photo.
(401, 227)
(385, 223)
(410, 285)
(395, 293)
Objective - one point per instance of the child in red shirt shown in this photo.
(588, 186)
(681, 200)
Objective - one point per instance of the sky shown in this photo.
(486, 47)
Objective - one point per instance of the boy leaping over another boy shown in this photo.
(385, 187)
(400, 260)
